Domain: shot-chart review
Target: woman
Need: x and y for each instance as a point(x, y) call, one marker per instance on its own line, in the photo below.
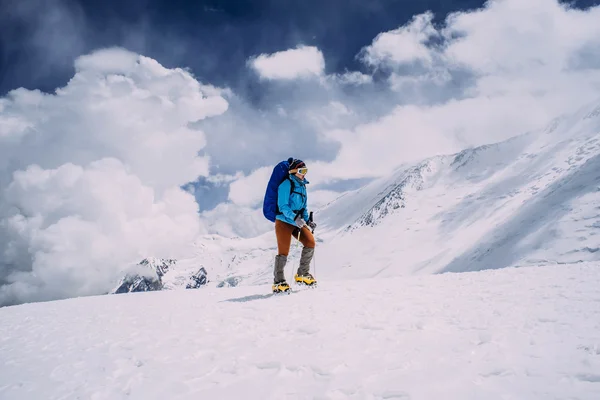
point(291, 221)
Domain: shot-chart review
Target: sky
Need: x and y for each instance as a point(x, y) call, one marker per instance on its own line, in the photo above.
point(108, 110)
point(213, 38)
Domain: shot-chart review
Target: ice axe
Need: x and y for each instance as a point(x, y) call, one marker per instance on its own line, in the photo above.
point(310, 219)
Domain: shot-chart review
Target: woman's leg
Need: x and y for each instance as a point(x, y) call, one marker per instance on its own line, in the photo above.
point(306, 238)
point(283, 232)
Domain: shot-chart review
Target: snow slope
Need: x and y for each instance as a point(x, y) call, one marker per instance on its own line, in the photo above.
point(534, 199)
point(516, 333)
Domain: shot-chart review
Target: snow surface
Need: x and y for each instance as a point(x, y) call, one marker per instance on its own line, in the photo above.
point(513, 333)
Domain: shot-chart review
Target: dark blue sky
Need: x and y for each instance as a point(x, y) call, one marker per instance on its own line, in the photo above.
point(39, 39)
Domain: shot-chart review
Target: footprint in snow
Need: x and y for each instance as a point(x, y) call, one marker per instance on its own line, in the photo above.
point(307, 330)
point(393, 395)
point(371, 327)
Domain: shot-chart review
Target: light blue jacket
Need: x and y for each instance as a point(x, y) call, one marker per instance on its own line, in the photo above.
point(291, 203)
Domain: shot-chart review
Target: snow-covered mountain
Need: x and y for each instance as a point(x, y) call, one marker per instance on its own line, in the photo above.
point(531, 200)
point(146, 277)
point(152, 274)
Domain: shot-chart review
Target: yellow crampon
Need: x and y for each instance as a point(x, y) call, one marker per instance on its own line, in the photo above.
point(305, 279)
point(281, 287)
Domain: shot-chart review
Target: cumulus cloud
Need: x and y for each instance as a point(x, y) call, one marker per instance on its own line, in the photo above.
point(250, 190)
point(525, 35)
point(412, 133)
point(301, 62)
point(90, 176)
point(406, 44)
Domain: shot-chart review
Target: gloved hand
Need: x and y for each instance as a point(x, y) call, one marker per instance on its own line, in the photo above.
point(312, 225)
point(300, 222)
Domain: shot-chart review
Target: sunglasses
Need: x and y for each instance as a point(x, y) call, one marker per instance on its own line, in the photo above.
point(302, 171)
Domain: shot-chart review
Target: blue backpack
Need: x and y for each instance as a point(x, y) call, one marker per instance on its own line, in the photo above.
point(279, 174)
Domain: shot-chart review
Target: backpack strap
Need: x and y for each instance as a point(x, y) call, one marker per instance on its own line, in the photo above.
point(292, 187)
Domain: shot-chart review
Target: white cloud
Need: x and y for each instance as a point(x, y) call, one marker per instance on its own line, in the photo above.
point(90, 175)
point(109, 61)
point(512, 36)
point(406, 44)
point(301, 62)
point(249, 191)
point(411, 133)
point(81, 226)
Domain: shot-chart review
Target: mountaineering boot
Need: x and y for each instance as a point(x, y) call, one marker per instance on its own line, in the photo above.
point(303, 276)
point(306, 279)
point(280, 285)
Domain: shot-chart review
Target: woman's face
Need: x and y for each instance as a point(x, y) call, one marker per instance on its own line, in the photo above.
point(298, 173)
